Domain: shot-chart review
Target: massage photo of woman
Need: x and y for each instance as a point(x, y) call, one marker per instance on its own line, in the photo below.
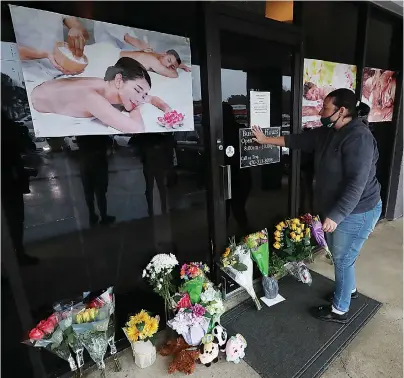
point(86, 77)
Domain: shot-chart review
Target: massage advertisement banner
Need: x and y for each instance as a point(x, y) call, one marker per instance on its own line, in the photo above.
point(86, 77)
point(378, 91)
point(319, 79)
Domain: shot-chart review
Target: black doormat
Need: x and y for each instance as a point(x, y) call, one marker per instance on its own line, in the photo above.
point(285, 341)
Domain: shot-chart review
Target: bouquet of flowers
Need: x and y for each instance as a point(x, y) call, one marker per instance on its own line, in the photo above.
point(159, 274)
point(191, 323)
point(236, 262)
point(64, 311)
point(98, 299)
point(258, 246)
point(300, 271)
point(140, 330)
point(49, 335)
point(292, 239)
point(194, 276)
point(211, 299)
point(90, 325)
point(317, 231)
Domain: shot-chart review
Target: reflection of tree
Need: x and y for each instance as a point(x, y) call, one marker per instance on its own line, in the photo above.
point(238, 100)
point(14, 99)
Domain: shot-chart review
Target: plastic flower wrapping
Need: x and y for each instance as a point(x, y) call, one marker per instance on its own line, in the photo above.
point(191, 324)
point(300, 271)
point(90, 325)
point(64, 310)
point(317, 231)
point(240, 269)
point(194, 276)
point(48, 334)
point(99, 299)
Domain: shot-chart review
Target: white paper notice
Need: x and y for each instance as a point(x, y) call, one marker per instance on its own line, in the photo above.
point(271, 302)
point(260, 109)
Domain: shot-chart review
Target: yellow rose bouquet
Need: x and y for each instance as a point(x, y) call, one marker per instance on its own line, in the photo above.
point(292, 240)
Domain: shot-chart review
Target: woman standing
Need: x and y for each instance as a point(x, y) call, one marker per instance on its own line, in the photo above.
point(346, 192)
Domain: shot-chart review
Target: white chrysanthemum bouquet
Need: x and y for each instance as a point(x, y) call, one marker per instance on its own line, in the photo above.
point(159, 274)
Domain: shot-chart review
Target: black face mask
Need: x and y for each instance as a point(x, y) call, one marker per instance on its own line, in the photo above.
point(326, 121)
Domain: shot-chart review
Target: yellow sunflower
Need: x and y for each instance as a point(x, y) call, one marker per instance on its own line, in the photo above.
point(133, 333)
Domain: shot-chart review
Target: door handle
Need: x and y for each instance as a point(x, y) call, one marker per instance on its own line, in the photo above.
point(226, 181)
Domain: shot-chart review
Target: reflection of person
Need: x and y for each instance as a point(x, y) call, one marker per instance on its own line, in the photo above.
point(241, 181)
point(126, 84)
point(156, 151)
point(14, 183)
point(94, 175)
point(34, 45)
point(347, 192)
point(379, 90)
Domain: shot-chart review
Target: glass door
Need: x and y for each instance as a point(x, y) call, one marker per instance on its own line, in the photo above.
point(256, 80)
point(252, 67)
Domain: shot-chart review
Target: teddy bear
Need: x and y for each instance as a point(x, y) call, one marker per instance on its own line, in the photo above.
point(235, 348)
point(221, 334)
point(184, 361)
point(184, 356)
point(173, 347)
point(209, 350)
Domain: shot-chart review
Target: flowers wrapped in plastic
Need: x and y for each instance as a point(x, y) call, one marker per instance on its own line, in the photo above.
point(191, 324)
point(90, 325)
point(159, 274)
point(236, 262)
point(98, 299)
point(194, 276)
point(140, 330)
point(317, 231)
point(64, 310)
point(257, 243)
point(49, 335)
point(300, 271)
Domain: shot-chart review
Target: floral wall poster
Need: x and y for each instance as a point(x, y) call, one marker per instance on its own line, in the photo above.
point(378, 91)
point(319, 79)
point(86, 77)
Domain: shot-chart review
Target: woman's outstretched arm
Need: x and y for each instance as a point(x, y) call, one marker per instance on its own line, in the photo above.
point(100, 108)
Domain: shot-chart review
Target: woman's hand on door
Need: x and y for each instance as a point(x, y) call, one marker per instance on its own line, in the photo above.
point(259, 135)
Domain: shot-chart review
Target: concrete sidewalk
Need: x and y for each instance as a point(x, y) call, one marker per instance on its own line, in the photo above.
point(376, 352)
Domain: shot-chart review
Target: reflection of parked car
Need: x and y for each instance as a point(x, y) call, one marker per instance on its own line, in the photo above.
point(41, 145)
point(71, 143)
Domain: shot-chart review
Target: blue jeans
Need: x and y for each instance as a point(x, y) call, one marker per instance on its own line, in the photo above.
point(345, 244)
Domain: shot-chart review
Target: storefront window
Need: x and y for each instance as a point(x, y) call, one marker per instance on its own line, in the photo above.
point(92, 210)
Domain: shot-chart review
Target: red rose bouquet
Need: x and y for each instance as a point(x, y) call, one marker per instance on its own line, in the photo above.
point(49, 335)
